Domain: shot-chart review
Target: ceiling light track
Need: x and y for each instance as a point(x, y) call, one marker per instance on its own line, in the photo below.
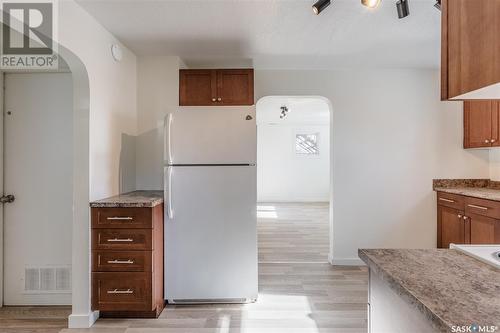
point(402, 6)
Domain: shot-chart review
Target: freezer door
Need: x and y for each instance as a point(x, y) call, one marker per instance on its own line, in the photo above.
point(211, 234)
point(225, 135)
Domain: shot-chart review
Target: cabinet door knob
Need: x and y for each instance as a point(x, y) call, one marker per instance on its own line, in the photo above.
point(492, 140)
point(459, 216)
point(465, 217)
point(213, 99)
point(486, 141)
point(219, 99)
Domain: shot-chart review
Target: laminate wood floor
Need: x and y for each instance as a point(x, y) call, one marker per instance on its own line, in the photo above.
point(294, 297)
point(293, 232)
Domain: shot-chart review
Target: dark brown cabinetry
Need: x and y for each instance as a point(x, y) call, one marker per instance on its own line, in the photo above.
point(127, 261)
point(210, 87)
point(470, 47)
point(467, 220)
point(481, 124)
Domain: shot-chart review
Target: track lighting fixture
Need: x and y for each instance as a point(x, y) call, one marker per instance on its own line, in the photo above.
point(403, 8)
point(437, 5)
point(370, 3)
point(320, 5)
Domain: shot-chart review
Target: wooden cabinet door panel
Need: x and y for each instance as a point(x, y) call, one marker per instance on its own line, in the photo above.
point(197, 87)
point(495, 129)
point(122, 239)
point(122, 292)
point(451, 227)
point(480, 123)
point(126, 218)
point(484, 230)
point(470, 45)
point(235, 87)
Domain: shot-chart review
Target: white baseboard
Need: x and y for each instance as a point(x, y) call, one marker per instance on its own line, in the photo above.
point(346, 261)
point(82, 320)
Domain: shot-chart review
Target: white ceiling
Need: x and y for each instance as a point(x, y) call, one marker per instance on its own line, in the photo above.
point(301, 111)
point(275, 33)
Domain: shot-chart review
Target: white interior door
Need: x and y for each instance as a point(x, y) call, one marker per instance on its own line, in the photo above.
point(38, 138)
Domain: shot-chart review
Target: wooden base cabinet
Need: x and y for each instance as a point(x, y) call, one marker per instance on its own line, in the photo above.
point(467, 220)
point(127, 262)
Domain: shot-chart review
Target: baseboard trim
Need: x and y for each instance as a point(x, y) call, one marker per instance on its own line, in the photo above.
point(83, 320)
point(346, 262)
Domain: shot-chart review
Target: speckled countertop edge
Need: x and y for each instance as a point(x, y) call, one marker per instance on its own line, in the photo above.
point(434, 319)
point(448, 287)
point(476, 188)
point(137, 199)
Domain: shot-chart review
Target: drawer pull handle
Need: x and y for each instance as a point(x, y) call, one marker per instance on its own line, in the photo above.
point(478, 207)
point(447, 200)
point(120, 218)
point(117, 291)
point(129, 262)
point(123, 240)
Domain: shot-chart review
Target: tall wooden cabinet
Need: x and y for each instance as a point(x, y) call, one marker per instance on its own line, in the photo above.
point(481, 124)
point(467, 220)
point(216, 87)
point(470, 46)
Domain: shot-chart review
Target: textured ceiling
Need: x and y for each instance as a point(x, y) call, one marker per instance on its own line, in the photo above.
point(275, 33)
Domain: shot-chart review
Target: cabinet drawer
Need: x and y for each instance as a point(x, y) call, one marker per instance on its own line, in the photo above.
point(482, 207)
point(122, 239)
point(122, 218)
point(122, 261)
point(450, 200)
point(122, 292)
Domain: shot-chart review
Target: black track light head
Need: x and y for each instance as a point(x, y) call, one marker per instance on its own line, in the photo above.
point(437, 5)
point(403, 8)
point(320, 5)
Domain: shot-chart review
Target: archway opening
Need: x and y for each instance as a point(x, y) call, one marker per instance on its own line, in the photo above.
point(294, 179)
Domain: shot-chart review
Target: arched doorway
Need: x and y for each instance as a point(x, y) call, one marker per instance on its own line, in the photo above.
point(294, 175)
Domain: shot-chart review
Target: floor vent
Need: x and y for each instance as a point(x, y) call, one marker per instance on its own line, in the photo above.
point(52, 279)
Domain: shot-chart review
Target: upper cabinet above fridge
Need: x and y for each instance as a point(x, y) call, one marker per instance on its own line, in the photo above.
point(216, 87)
point(470, 49)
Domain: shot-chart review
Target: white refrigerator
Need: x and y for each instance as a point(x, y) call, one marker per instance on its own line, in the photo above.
point(210, 205)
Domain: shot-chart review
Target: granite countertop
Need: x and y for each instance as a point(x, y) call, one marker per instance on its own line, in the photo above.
point(476, 192)
point(447, 286)
point(131, 199)
point(477, 188)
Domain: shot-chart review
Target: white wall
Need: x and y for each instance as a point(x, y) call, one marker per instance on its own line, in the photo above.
point(391, 137)
point(284, 176)
point(157, 95)
point(105, 122)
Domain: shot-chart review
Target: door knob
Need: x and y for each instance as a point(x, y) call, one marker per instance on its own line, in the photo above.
point(486, 141)
point(492, 140)
point(213, 99)
point(7, 198)
point(219, 99)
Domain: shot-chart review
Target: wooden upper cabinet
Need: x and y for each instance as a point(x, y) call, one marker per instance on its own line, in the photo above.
point(470, 47)
point(214, 87)
point(197, 87)
point(481, 124)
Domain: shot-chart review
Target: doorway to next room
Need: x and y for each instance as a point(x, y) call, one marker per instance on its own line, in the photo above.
point(293, 179)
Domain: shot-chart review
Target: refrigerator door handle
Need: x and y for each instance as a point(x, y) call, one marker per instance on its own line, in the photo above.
point(168, 139)
point(170, 210)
